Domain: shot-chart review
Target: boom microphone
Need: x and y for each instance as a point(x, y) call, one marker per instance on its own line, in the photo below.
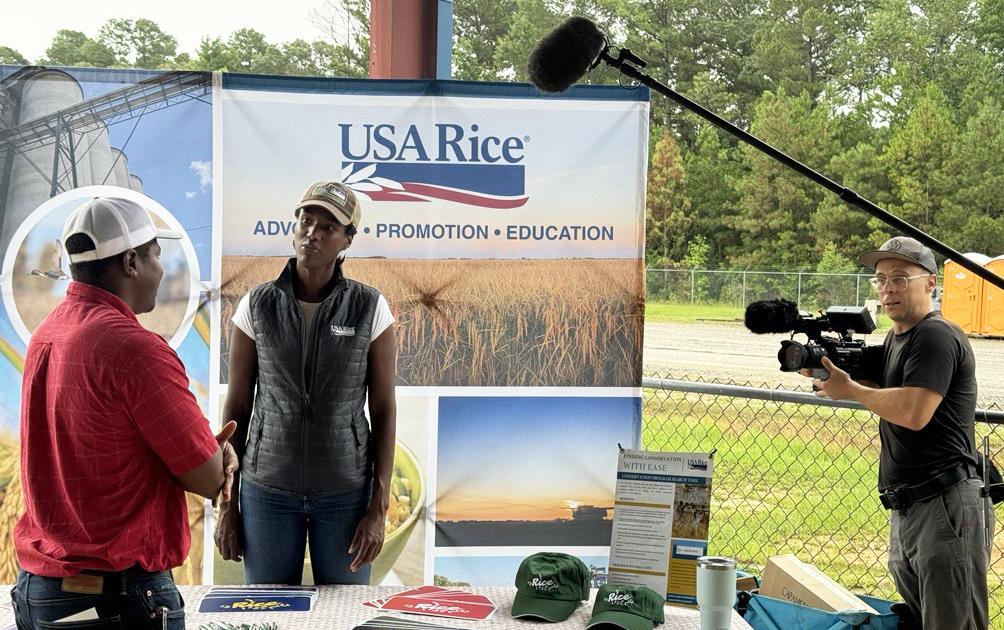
point(578, 45)
point(565, 55)
point(771, 316)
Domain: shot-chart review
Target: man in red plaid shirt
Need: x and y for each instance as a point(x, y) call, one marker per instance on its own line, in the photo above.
point(111, 438)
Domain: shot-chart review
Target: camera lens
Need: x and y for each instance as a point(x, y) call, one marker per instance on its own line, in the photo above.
point(792, 356)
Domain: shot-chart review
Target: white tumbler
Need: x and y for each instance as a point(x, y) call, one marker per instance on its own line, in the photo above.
point(716, 591)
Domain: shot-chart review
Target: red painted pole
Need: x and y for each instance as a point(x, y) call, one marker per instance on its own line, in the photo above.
point(403, 39)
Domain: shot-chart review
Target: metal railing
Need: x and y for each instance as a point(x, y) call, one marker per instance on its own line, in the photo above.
point(795, 474)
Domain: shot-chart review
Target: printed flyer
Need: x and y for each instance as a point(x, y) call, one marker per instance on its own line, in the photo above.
point(661, 509)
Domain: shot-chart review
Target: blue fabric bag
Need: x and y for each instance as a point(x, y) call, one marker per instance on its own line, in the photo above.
point(767, 613)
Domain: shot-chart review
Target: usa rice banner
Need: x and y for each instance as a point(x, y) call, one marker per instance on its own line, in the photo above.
point(504, 228)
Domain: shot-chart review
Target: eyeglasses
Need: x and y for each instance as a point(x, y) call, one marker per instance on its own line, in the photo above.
point(897, 282)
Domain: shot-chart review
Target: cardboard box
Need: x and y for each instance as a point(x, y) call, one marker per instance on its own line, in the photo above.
point(788, 578)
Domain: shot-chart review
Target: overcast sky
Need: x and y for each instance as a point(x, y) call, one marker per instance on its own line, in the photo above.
point(34, 23)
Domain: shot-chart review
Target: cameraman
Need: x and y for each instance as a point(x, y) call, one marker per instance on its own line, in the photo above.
point(926, 400)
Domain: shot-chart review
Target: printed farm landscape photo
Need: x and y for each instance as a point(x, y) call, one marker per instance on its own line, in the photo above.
point(534, 323)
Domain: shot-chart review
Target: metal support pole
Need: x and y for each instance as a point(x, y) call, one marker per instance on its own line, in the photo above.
point(403, 39)
point(54, 188)
point(444, 40)
point(73, 159)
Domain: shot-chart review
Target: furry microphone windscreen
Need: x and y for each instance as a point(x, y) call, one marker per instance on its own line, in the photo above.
point(771, 316)
point(562, 57)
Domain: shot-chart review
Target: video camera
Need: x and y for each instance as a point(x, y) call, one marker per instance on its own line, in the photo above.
point(847, 353)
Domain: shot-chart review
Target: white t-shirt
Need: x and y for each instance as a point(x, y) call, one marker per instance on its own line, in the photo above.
point(382, 317)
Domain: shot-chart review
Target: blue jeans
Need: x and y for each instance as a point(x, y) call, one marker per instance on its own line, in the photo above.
point(140, 600)
point(278, 525)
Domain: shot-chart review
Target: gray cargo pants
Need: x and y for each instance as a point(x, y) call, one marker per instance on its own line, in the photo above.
point(939, 561)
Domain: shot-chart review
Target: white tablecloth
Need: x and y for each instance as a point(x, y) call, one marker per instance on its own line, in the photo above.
point(340, 608)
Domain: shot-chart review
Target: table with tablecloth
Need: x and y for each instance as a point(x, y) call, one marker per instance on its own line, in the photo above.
point(340, 607)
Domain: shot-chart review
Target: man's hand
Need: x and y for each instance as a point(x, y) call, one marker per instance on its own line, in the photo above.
point(368, 541)
point(229, 534)
point(230, 462)
point(838, 387)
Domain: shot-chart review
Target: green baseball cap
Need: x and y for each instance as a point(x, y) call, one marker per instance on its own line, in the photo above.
point(549, 586)
point(627, 607)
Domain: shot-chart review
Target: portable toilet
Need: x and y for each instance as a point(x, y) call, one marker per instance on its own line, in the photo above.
point(962, 294)
point(992, 317)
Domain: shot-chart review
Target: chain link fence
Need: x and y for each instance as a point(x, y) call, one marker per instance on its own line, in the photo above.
point(795, 474)
point(809, 290)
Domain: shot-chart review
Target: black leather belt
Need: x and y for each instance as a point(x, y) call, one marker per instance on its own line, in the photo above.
point(902, 497)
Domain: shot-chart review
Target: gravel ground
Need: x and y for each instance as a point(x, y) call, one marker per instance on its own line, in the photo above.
point(722, 352)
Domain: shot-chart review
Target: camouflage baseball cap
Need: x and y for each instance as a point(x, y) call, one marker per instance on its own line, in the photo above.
point(549, 586)
point(336, 198)
point(627, 607)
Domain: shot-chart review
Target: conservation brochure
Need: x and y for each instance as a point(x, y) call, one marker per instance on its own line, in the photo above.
point(661, 511)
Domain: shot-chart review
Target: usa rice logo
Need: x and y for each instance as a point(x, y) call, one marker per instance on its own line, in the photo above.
point(439, 608)
point(542, 584)
point(445, 162)
point(697, 464)
point(620, 599)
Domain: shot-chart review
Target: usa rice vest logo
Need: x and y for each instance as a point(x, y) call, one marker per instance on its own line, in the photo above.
point(445, 162)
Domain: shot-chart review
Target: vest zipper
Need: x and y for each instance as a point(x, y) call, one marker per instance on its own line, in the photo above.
point(311, 362)
point(306, 398)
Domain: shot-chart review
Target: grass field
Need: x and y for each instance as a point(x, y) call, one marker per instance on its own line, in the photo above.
point(559, 323)
point(682, 312)
point(793, 479)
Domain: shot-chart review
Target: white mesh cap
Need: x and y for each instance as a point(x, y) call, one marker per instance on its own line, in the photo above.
point(115, 225)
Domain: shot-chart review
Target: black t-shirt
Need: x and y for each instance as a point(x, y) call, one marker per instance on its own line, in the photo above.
point(935, 355)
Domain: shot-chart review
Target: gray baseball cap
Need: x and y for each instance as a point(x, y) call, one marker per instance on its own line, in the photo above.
point(901, 248)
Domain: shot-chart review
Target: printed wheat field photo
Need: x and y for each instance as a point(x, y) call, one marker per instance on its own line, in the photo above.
point(553, 323)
